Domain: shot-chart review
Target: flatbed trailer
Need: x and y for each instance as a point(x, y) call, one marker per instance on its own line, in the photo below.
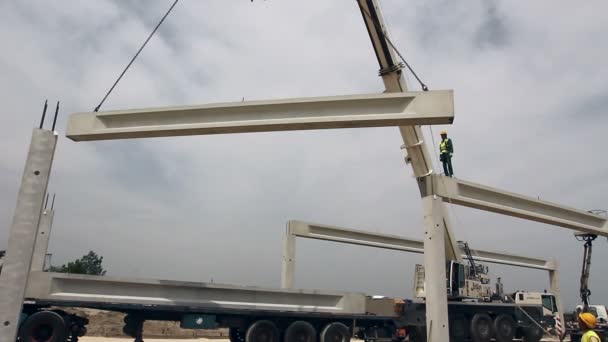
point(251, 312)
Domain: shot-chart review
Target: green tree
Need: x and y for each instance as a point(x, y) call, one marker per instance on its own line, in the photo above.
point(88, 264)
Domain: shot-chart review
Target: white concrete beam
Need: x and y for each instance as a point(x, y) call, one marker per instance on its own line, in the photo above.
point(86, 290)
point(353, 111)
point(393, 242)
point(478, 196)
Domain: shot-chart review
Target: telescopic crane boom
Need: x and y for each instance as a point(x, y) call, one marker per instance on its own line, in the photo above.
point(585, 292)
point(584, 289)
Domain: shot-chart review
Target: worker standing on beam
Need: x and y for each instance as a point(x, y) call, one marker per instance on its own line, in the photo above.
point(446, 150)
point(587, 322)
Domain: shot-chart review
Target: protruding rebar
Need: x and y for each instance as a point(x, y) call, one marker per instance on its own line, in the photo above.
point(46, 202)
point(53, 202)
point(55, 118)
point(46, 104)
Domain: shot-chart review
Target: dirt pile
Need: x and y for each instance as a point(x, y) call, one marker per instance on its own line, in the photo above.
point(110, 324)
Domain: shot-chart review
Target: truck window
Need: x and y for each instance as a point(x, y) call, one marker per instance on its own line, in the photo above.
point(549, 303)
point(461, 279)
point(521, 297)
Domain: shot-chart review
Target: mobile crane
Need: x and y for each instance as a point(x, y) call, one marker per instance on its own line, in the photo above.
point(478, 314)
point(585, 293)
point(572, 327)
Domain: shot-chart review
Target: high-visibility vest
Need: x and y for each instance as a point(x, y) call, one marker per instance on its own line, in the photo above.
point(590, 336)
point(443, 147)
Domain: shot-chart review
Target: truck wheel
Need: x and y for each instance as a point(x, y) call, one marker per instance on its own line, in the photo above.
point(481, 328)
point(458, 329)
point(236, 335)
point(504, 328)
point(300, 331)
point(43, 326)
point(335, 332)
point(262, 331)
point(533, 334)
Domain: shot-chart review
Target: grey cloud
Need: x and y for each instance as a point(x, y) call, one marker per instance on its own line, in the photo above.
point(493, 30)
point(593, 109)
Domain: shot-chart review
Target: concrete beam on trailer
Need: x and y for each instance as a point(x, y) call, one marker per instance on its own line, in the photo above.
point(386, 241)
point(87, 289)
point(23, 231)
point(353, 111)
point(482, 197)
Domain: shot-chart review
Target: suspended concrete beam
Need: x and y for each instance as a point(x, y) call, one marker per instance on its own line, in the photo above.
point(353, 111)
point(478, 196)
point(384, 241)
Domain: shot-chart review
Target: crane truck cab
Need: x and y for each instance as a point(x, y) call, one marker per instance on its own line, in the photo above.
point(547, 301)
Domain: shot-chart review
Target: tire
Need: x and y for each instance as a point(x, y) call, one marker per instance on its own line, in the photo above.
point(262, 331)
point(458, 329)
point(481, 328)
point(300, 331)
point(43, 326)
point(504, 328)
point(335, 332)
point(533, 334)
point(236, 335)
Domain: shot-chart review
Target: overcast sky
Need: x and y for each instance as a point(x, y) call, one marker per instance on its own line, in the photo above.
point(530, 93)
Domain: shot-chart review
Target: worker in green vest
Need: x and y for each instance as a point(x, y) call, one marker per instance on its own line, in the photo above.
point(446, 150)
point(587, 322)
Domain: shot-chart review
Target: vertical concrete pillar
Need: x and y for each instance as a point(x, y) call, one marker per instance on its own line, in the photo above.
point(556, 291)
point(437, 322)
point(22, 235)
point(289, 259)
point(42, 240)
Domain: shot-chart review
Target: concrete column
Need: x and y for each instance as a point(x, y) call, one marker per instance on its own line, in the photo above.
point(556, 291)
point(22, 236)
point(435, 270)
point(42, 240)
point(289, 260)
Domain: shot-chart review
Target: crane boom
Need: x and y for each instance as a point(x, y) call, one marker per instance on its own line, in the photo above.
point(585, 272)
point(413, 139)
point(438, 234)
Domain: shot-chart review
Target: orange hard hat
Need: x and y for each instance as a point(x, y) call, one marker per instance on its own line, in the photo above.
point(588, 319)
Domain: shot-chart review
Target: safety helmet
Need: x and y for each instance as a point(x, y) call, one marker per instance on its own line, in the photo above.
point(588, 319)
point(444, 132)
